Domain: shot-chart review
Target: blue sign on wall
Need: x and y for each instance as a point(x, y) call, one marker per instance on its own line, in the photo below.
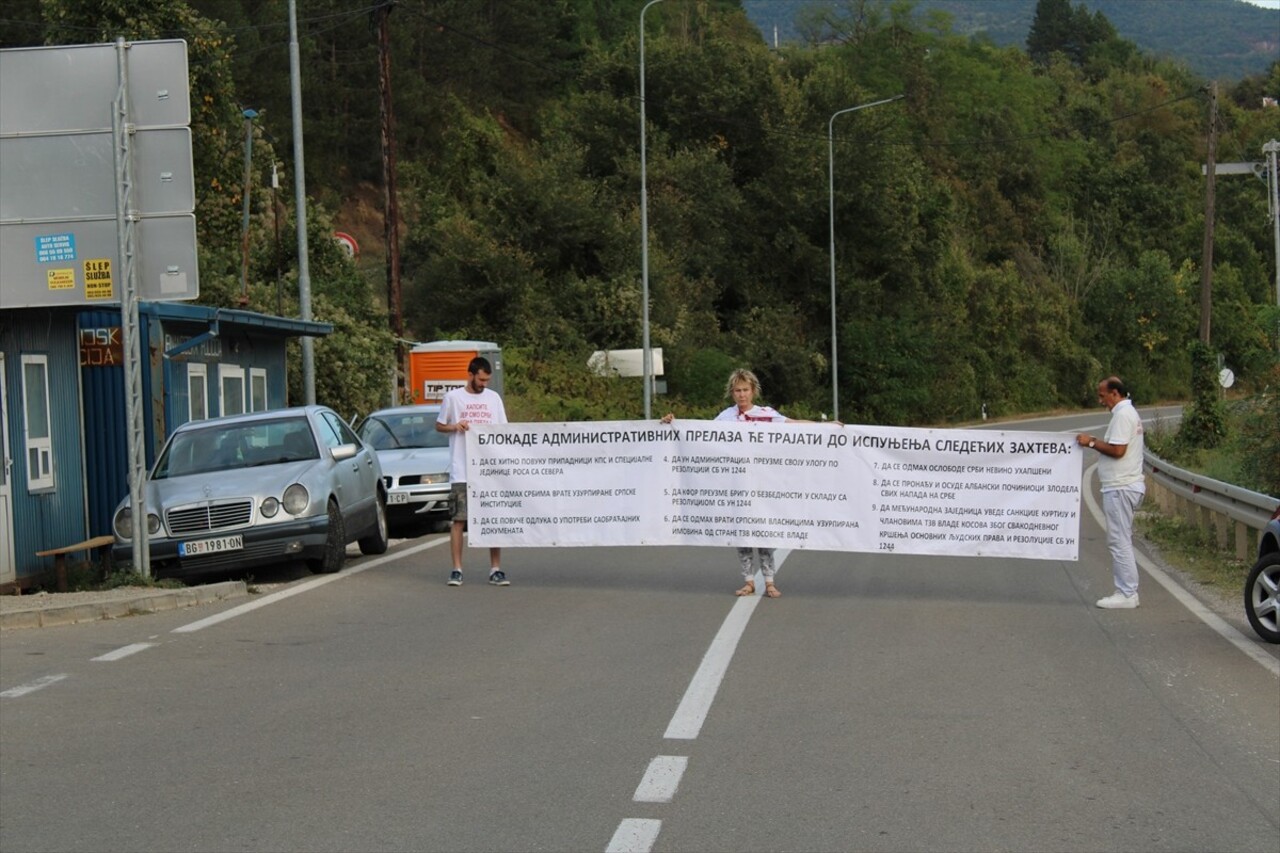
point(55, 247)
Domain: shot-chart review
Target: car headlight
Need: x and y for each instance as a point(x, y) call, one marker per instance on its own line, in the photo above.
point(432, 479)
point(124, 523)
point(296, 499)
point(269, 508)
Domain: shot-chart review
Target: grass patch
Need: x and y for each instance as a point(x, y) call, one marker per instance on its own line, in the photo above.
point(1185, 547)
point(1246, 458)
point(118, 579)
point(90, 576)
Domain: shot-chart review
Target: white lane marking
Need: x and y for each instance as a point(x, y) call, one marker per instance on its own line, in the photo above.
point(305, 586)
point(661, 779)
point(701, 692)
point(1224, 628)
point(634, 835)
point(32, 687)
point(124, 651)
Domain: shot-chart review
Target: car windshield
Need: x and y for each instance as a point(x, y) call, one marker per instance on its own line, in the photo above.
point(221, 447)
point(389, 431)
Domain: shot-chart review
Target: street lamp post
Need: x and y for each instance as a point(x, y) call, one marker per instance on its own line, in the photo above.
point(831, 206)
point(644, 237)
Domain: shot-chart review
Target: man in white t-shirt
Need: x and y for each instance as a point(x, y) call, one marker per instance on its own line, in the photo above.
point(473, 403)
point(1123, 486)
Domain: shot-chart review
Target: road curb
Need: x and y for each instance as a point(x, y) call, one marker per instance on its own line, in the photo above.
point(46, 615)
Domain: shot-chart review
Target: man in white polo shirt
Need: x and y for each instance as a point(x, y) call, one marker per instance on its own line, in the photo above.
point(1123, 486)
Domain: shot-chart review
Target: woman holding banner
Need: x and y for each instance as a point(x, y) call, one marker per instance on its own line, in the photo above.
point(742, 388)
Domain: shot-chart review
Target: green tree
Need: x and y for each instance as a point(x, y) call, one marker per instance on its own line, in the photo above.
point(1203, 423)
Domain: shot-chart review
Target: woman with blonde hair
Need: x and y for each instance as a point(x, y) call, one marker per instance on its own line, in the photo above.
point(742, 388)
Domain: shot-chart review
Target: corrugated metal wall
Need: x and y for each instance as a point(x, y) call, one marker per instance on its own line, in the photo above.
point(106, 442)
point(55, 517)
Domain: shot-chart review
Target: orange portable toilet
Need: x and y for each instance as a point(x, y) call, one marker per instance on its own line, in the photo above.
point(440, 366)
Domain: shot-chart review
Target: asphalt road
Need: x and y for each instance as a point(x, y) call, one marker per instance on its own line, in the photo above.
point(883, 703)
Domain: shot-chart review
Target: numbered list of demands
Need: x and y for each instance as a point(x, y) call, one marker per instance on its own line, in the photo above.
point(1007, 495)
point(812, 486)
point(763, 485)
point(565, 484)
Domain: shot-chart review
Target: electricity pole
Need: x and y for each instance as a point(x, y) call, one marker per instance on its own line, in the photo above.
point(1206, 268)
point(391, 211)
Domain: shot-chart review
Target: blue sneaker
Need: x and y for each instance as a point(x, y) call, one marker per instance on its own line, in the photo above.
point(499, 578)
point(455, 578)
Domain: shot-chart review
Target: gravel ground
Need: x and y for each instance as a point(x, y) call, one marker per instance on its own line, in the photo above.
point(41, 600)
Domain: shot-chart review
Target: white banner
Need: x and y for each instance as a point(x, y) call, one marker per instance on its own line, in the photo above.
point(819, 486)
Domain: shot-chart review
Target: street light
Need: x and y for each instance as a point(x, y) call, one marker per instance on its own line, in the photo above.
point(644, 237)
point(831, 205)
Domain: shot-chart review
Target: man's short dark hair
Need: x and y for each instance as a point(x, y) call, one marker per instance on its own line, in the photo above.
point(1113, 383)
point(479, 364)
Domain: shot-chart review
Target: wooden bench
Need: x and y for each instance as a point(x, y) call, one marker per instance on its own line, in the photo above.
point(60, 556)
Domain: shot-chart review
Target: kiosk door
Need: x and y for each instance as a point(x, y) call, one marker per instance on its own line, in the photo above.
point(8, 562)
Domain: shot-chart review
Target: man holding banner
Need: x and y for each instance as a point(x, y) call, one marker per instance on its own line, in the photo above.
point(1123, 487)
point(474, 403)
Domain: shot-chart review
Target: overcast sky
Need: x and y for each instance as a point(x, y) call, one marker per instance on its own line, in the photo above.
point(1270, 4)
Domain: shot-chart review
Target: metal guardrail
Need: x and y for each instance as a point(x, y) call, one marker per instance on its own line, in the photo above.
point(1218, 508)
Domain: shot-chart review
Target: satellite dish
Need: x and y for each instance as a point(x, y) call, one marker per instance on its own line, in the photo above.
point(1226, 378)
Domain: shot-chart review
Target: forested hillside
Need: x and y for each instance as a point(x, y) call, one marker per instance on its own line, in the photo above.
point(1220, 39)
point(1009, 232)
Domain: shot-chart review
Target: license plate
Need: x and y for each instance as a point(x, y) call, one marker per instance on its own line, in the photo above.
point(398, 498)
point(217, 545)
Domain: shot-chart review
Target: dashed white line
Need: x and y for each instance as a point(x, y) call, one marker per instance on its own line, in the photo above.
point(692, 711)
point(661, 779)
point(31, 687)
point(124, 651)
point(634, 835)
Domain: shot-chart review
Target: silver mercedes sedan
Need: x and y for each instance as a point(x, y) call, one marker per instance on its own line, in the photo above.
point(247, 490)
point(415, 461)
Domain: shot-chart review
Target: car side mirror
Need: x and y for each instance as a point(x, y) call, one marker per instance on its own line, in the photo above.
point(345, 451)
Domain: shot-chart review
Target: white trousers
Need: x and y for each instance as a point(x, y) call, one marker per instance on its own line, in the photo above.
point(1119, 506)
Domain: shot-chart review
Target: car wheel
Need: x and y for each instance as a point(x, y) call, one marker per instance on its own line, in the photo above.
point(376, 542)
point(335, 543)
point(1260, 597)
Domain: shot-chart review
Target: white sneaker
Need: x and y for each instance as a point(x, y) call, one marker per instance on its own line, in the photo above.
point(1119, 601)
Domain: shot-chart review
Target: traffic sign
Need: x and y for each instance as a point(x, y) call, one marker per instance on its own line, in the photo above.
point(59, 224)
point(49, 89)
point(64, 263)
point(72, 176)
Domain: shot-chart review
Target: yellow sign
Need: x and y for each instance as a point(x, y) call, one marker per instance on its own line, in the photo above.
point(97, 279)
point(61, 279)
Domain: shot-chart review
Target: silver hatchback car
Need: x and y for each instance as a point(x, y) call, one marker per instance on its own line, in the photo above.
point(415, 461)
point(247, 490)
point(1262, 587)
